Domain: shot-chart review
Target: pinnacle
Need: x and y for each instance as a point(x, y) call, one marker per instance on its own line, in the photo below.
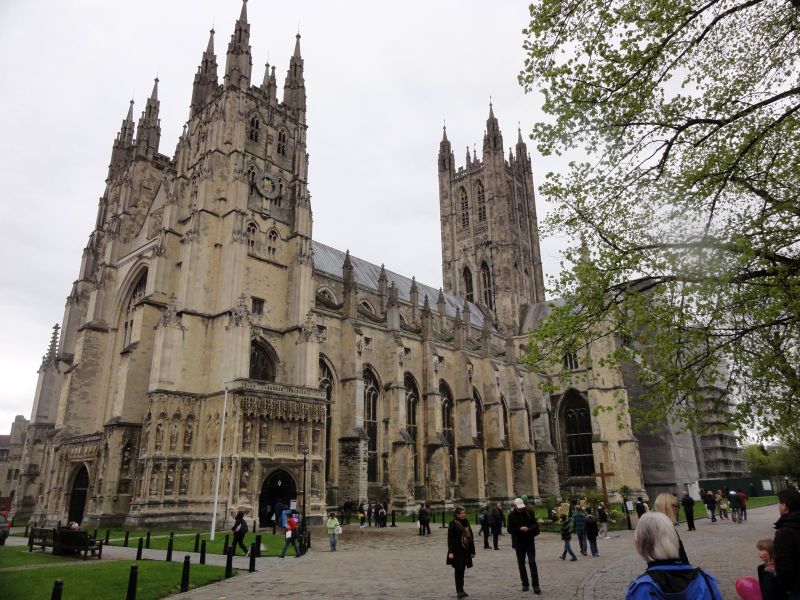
point(154, 94)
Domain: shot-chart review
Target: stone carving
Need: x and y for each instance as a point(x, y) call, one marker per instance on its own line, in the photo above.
point(173, 436)
point(156, 220)
point(244, 480)
point(286, 410)
point(310, 331)
point(263, 434)
point(154, 482)
point(188, 433)
point(159, 436)
point(184, 481)
point(247, 432)
point(125, 463)
point(169, 482)
point(240, 315)
point(170, 318)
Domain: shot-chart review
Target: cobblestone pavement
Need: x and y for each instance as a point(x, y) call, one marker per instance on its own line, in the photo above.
point(396, 563)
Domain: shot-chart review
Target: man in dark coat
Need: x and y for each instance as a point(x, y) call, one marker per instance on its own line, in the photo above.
point(640, 506)
point(460, 548)
point(786, 545)
point(523, 529)
point(496, 522)
point(688, 508)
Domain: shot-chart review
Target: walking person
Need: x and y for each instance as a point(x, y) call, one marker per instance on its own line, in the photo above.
point(688, 508)
point(291, 536)
point(733, 500)
point(460, 548)
point(424, 519)
point(239, 531)
point(641, 507)
point(591, 532)
point(362, 515)
point(786, 545)
point(602, 519)
point(566, 536)
point(711, 505)
point(495, 523)
point(334, 529)
point(722, 505)
point(483, 521)
point(579, 525)
point(742, 505)
point(523, 528)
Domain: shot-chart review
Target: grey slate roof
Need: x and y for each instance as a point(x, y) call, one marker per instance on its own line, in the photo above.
point(330, 260)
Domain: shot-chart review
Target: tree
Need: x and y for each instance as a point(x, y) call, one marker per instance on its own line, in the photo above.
point(779, 461)
point(685, 220)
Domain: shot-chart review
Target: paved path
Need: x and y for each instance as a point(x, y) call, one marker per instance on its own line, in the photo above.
point(396, 563)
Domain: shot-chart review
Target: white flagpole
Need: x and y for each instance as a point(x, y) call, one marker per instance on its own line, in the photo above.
point(219, 464)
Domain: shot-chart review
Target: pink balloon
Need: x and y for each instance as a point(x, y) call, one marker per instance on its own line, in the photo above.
point(748, 588)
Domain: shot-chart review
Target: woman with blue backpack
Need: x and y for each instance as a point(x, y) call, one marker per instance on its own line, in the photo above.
point(667, 576)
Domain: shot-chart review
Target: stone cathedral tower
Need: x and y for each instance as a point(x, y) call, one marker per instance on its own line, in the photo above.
point(490, 234)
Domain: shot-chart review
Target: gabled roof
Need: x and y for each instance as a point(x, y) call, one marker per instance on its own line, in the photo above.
point(330, 260)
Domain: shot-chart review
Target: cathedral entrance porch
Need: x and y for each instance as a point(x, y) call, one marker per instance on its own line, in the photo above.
point(278, 487)
point(77, 498)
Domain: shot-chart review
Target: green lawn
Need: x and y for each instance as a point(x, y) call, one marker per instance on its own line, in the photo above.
point(185, 542)
point(18, 556)
point(104, 580)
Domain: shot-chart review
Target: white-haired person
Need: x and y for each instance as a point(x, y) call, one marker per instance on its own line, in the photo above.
point(667, 575)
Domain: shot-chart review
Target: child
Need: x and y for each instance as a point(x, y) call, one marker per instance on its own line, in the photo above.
point(566, 535)
point(767, 580)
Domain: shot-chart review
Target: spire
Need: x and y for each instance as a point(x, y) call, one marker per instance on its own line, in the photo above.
point(52, 349)
point(205, 80)
point(149, 128)
point(270, 85)
point(121, 149)
point(492, 138)
point(294, 90)
point(445, 153)
point(239, 63)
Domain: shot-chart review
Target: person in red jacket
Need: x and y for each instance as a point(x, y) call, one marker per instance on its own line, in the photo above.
point(291, 536)
point(742, 504)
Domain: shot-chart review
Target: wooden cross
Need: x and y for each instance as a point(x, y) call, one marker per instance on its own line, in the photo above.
point(602, 475)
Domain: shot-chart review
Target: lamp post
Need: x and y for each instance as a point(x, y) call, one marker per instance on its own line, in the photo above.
point(304, 452)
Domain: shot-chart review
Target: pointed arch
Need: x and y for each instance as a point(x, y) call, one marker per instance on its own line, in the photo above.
point(469, 293)
point(576, 434)
point(412, 406)
point(486, 282)
point(449, 427)
point(327, 383)
point(504, 420)
point(371, 404)
point(282, 139)
point(480, 192)
point(263, 361)
point(79, 492)
point(478, 408)
point(463, 203)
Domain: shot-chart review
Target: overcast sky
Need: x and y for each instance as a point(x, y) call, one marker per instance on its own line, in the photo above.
point(381, 79)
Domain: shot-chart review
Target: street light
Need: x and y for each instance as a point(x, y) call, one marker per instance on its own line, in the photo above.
point(304, 452)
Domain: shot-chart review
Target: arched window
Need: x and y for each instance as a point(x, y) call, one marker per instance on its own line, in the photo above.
point(326, 383)
point(412, 400)
point(481, 193)
point(250, 235)
point(469, 294)
point(371, 394)
point(251, 179)
point(255, 126)
point(577, 428)
point(272, 242)
point(262, 362)
point(448, 426)
point(504, 416)
point(282, 143)
point(488, 292)
point(529, 419)
point(133, 305)
point(571, 361)
point(476, 400)
point(464, 205)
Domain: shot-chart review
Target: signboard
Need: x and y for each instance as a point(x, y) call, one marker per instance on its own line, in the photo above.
point(293, 504)
point(766, 484)
point(629, 504)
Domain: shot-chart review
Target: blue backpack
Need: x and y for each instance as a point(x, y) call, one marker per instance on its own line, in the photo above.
point(702, 587)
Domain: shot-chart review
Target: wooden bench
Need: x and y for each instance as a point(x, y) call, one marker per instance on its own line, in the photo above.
point(69, 541)
point(41, 537)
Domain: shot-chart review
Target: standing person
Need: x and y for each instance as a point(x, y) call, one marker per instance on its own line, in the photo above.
point(424, 519)
point(460, 548)
point(688, 508)
point(239, 531)
point(711, 505)
point(641, 507)
point(786, 545)
point(733, 500)
point(369, 513)
point(566, 536)
point(483, 521)
point(722, 505)
point(742, 505)
point(331, 525)
point(667, 575)
point(591, 532)
point(523, 528)
point(602, 519)
point(579, 525)
point(291, 536)
point(362, 515)
point(383, 511)
point(495, 523)
point(667, 504)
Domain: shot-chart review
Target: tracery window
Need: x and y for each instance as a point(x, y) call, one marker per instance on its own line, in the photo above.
point(282, 143)
point(136, 295)
point(578, 435)
point(250, 234)
point(504, 416)
point(255, 126)
point(371, 395)
point(412, 400)
point(262, 362)
point(272, 245)
point(488, 292)
point(571, 361)
point(481, 193)
point(326, 383)
point(448, 426)
point(469, 293)
point(476, 400)
point(464, 204)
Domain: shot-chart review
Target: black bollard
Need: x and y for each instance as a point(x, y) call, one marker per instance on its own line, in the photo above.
point(253, 551)
point(225, 545)
point(203, 552)
point(127, 535)
point(258, 545)
point(108, 534)
point(275, 525)
point(393, 524)
point(254, 526)
point(59, 524)
point(185, 574)
point(132, 582)
point(229, 564)
point(147, 540)
point(94, 535)
point(58, 588)
point(139, 550)
point(169, 548)
point(26, 529)
point(30, 542)
point(196, 542)
point(443, 525)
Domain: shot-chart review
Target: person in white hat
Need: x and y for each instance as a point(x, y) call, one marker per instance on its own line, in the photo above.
point(523, 528)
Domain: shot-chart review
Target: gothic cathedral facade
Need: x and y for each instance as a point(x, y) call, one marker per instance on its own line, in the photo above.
point(206, 322)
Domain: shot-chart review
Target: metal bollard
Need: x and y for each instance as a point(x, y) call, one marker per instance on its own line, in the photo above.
point(254, 525)
point(127, 536)
point(147, 540)
point(132, 582)
point(185, 574)
point(139, 550)
point(275, 525)
point(443, 525)
point(58, 588)
point(26, 529)
point(196, 542)
point(169, 548)
point(225, 546)
point(393, 524)
point(253, 551)
point(229, 564)
point(108, 534)
point(203, 552)
point(258, 545)
point(30, 542)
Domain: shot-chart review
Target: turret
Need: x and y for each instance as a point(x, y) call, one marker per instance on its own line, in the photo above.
point(446, 161)
point(123, 144)
point(270, 86)
point(148, 131)
point(294, 89)
point(239, 62)
point(492, 138)
point(205, 80)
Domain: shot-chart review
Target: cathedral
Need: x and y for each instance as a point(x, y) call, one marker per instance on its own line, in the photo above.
point(207, 329)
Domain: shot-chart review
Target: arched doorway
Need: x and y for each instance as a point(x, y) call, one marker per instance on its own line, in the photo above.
point(77, 499)
point(279, 486)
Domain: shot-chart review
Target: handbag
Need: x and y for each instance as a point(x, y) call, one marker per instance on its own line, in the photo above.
point(337, 530)
point(288, 534)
